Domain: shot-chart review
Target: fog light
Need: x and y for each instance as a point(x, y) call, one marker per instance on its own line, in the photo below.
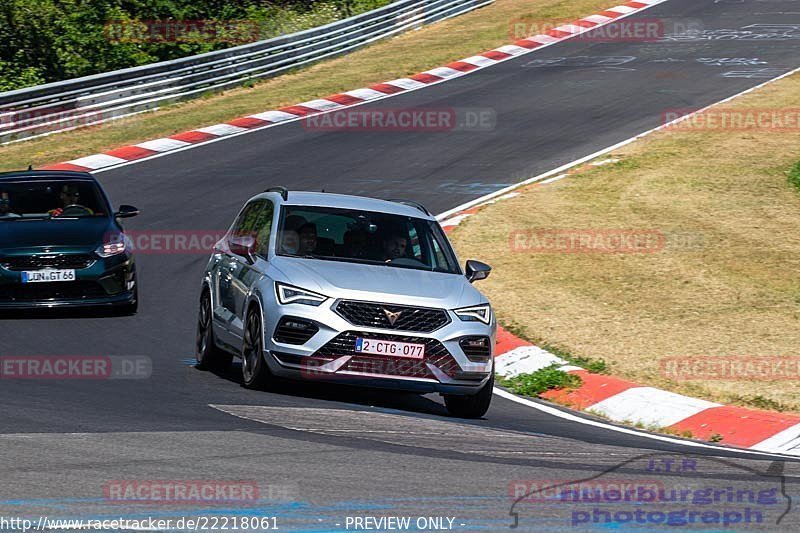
point(477, 349)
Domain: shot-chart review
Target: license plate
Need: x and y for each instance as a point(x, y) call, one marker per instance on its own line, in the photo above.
point(391, 348)
point(47, 276)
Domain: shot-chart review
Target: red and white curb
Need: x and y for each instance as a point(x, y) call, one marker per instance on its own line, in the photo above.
point(624, 401)
point(181, 141)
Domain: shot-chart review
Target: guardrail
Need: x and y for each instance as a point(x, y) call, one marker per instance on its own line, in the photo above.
point(91, 100)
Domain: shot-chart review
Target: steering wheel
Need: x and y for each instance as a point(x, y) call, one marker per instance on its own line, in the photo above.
point(75, 209)
point(406, 261)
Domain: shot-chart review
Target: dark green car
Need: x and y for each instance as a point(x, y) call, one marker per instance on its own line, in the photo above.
point(61, 244)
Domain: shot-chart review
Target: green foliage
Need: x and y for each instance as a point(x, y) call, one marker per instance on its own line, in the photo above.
point(44, 41)
point(761, 402)
point(540, 381)
point(794, 175)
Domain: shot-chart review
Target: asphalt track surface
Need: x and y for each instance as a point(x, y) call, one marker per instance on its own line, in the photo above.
point(322, 453)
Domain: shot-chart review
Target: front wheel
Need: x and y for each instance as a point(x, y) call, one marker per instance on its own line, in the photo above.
point(471, 405)
point(255, 372)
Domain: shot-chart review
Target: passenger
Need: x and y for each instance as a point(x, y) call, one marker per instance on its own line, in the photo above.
point(294, 222)
point(355, 244)
point(394, 247)
point(308, 238)
point(290, 242)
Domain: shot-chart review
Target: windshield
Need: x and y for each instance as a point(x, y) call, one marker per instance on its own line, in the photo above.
point(51, 200)
point(364, 237)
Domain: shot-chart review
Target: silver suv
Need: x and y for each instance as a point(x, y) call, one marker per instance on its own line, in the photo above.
point(348, 289)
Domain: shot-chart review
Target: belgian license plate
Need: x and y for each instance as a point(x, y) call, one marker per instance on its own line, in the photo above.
point(390, 348)
point(47, 276)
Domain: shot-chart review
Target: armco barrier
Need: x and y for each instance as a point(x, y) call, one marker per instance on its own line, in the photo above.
point(79, 102)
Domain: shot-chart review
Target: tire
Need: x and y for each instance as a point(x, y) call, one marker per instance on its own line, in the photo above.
point(255, 372)
point(471, 405)
point(208, 355)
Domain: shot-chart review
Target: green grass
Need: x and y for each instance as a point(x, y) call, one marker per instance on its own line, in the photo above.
point(794, 175)
point(542, 380)
point(761, 402)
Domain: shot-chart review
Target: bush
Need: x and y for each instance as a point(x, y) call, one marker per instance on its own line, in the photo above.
point(540, 381)
point(44, 41)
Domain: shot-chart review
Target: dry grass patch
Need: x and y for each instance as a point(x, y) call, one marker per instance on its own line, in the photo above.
point(404, 55)
point(725, 283)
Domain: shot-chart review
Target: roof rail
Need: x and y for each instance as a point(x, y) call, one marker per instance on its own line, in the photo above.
point(284, 192)
point(413, 204)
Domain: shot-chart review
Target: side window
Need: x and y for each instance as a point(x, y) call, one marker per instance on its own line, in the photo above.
point(264, 227)
point(255, 221)
point(439, 257)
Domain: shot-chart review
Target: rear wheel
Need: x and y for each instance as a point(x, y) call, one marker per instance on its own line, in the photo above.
point(208, 355)
point(255, 372)
point(471, 405)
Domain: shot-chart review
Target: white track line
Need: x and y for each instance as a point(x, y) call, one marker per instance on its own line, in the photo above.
point(663, 438)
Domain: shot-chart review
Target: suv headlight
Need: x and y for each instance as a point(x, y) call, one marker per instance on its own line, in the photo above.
point(479, 313)
point(115, 246)
point(288, 294)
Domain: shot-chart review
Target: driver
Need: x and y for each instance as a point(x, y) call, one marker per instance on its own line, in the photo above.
point(394, 247)
point(5, 205)
point(69, 196)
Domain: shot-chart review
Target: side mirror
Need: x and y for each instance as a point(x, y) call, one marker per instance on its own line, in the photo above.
point(243, 247)
point(126, 211)
point(476, 270)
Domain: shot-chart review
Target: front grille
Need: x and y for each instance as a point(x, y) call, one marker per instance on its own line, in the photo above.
point(294, 330)
point(435, 354)
point(36, 262)
point(70, 290)
point(375, 315)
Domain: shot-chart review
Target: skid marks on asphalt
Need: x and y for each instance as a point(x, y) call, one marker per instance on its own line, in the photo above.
point(399, 428)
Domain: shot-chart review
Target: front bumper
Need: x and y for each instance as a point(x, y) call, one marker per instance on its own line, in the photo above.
point(329, 356)
point(106, 282)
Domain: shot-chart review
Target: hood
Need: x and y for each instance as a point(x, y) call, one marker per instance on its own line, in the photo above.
point(76, 233)
point(377, 282)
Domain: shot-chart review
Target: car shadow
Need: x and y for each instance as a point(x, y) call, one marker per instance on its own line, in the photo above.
point(339, 392)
